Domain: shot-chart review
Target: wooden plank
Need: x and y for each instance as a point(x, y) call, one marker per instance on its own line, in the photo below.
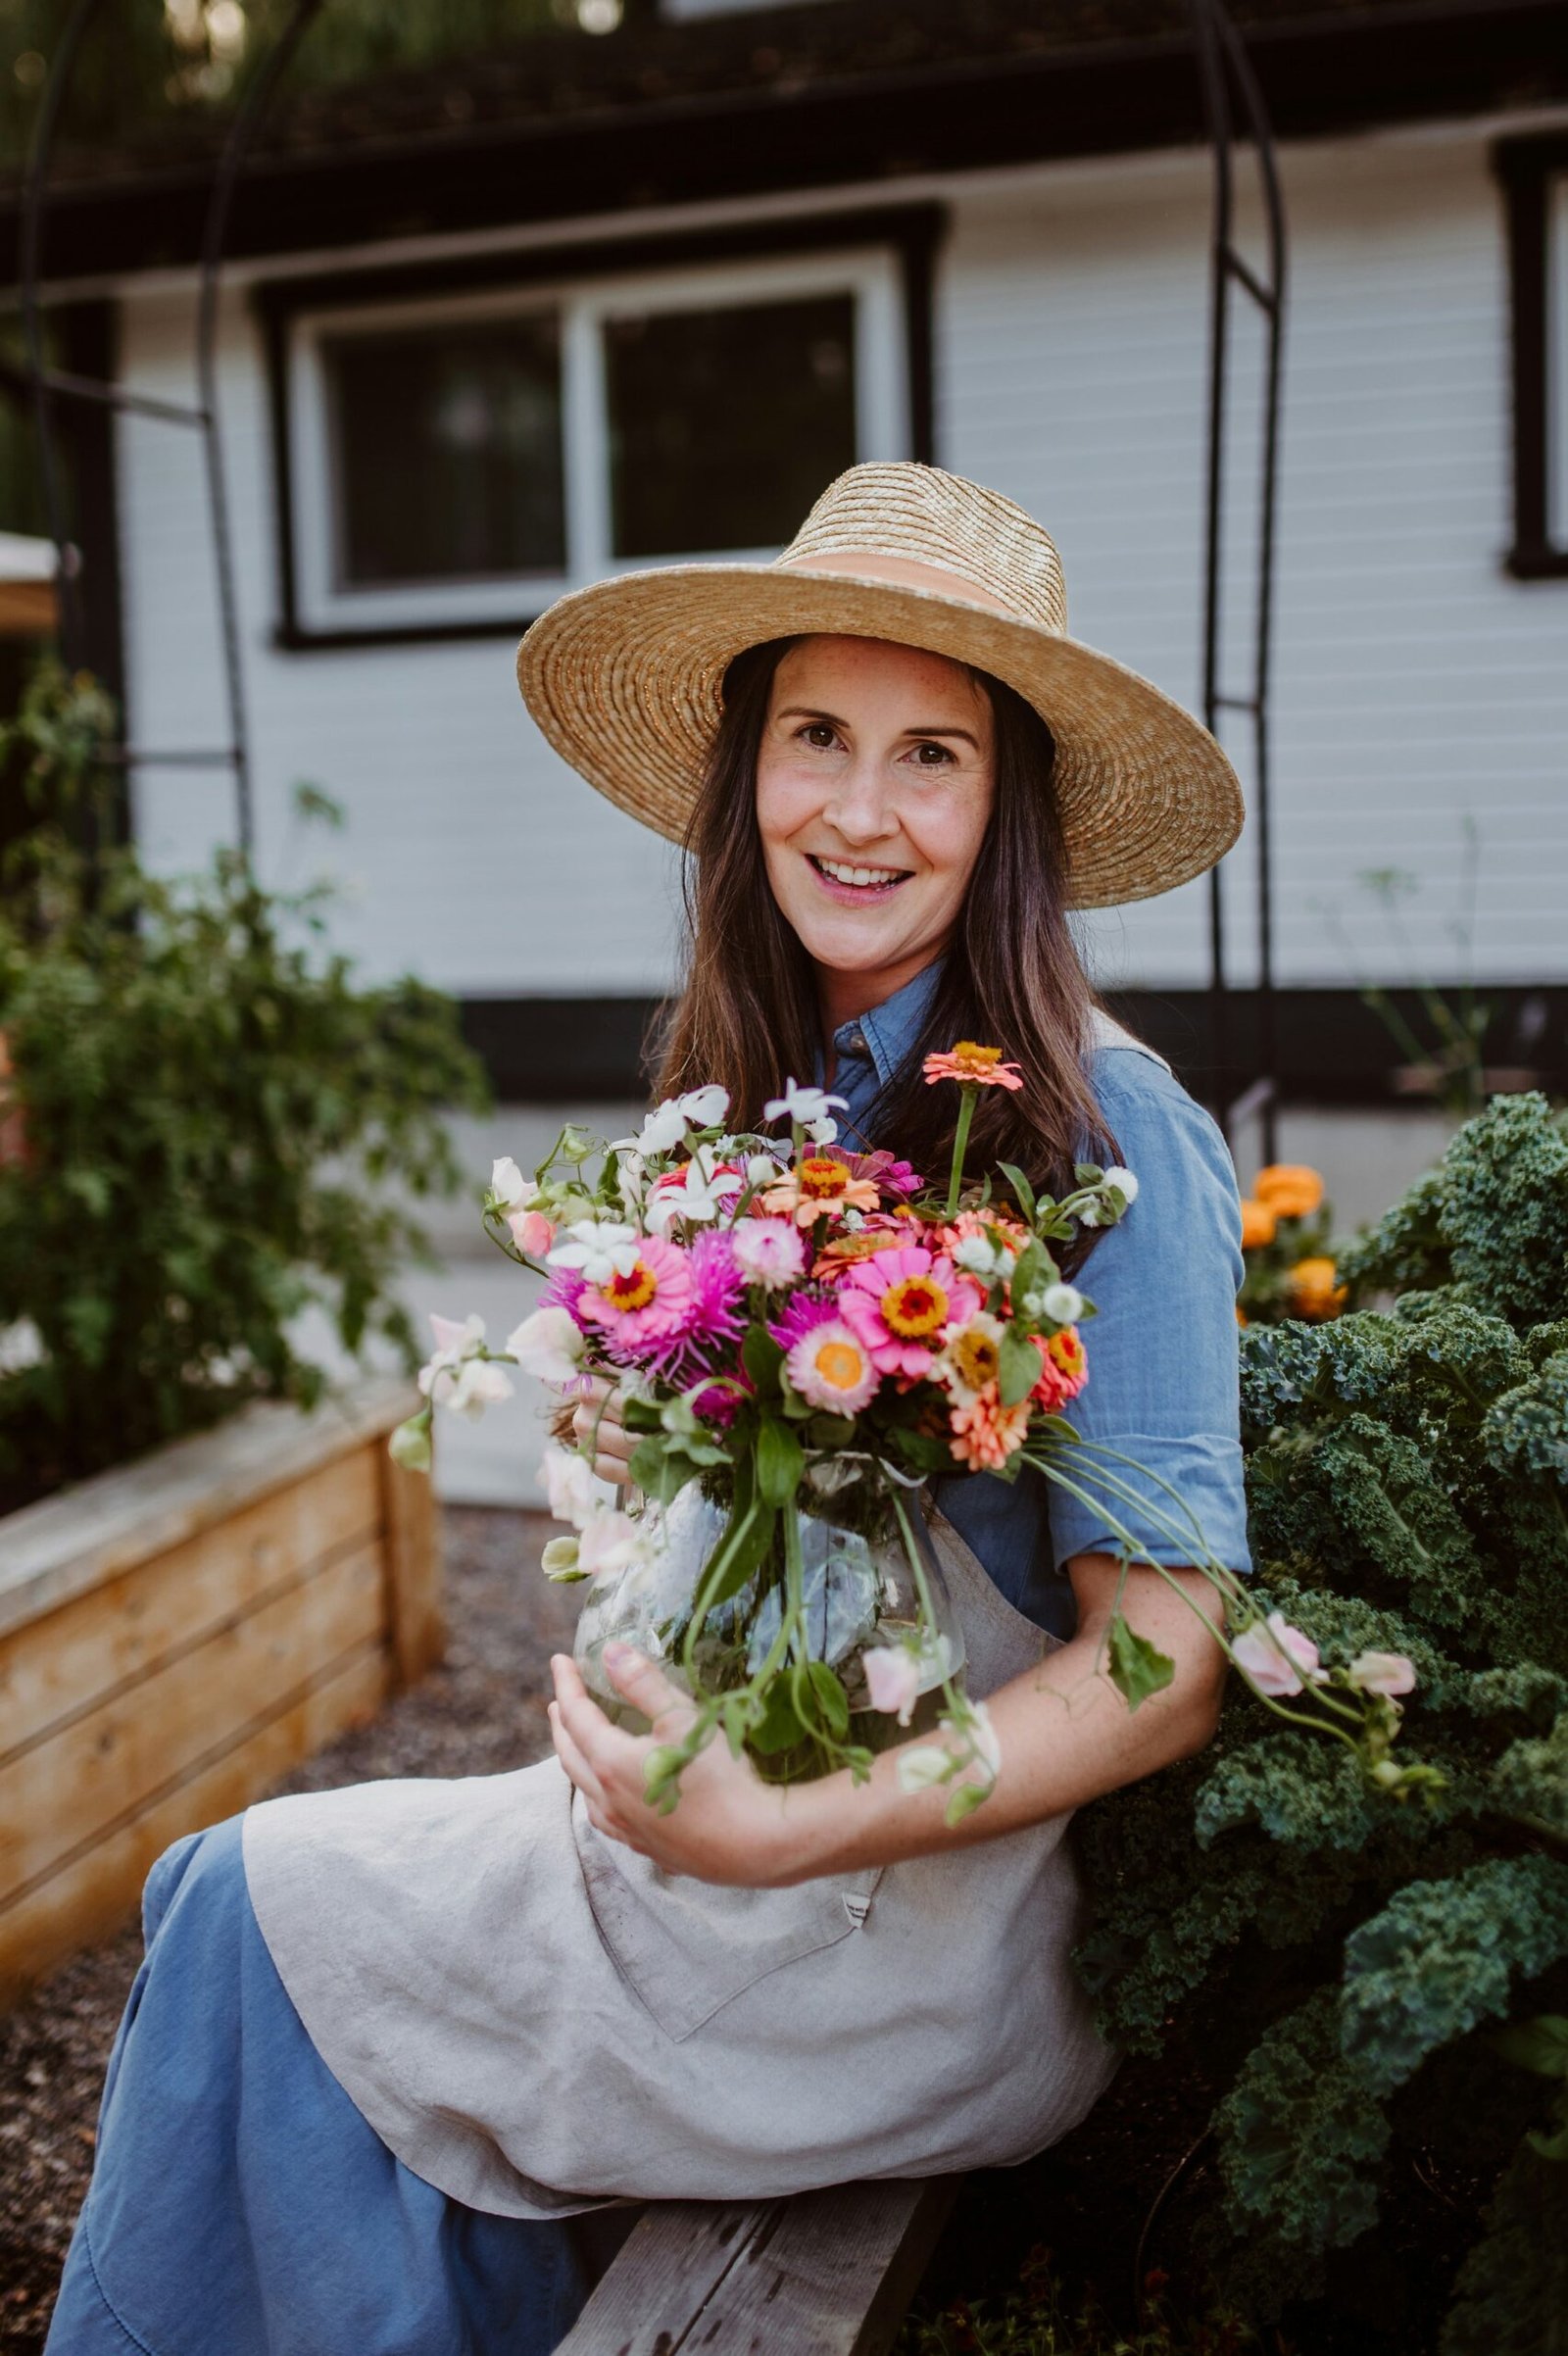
point(102, 1642)
point(92, 1893)
point(89, 1533)
point(62, 1792)
point(827, 2274)
point(413, 1568)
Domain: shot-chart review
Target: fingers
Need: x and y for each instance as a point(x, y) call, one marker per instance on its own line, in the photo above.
point(596, 1423)
point(643, 1684)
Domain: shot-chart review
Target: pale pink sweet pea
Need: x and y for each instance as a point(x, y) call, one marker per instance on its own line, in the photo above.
point(568, 1485)
point(610, 1541)
point(1278, 1658)
point(531, 1231)
point(1385, 1673)
point(893, 1677)
point(549, 1344)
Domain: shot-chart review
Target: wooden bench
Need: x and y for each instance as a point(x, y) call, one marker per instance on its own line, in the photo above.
point(824, 2274)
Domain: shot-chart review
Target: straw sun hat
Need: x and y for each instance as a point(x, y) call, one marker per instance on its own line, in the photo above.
point(624, 677)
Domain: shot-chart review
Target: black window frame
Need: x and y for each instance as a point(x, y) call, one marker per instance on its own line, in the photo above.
point(1527, 169)
point(912, 233)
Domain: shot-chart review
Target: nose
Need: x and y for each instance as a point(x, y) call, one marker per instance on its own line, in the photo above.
point(860, 807)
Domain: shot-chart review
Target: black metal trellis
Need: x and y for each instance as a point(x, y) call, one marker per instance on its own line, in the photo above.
point(52, 385)
point(1233, 109)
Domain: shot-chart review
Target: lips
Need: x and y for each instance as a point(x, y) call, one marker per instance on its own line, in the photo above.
point(851, 881)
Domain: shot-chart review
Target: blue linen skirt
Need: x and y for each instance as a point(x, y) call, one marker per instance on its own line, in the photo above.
point(241, 2206)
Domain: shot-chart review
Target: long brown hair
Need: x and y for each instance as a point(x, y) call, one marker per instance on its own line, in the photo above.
point(748, 1016)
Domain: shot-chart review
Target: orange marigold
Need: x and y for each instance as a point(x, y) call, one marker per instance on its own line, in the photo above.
point(1258, 1223)
point(1314, 1292)
point(1290, 1188)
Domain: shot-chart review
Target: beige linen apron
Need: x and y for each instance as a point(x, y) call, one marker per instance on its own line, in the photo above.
point(536, 2019)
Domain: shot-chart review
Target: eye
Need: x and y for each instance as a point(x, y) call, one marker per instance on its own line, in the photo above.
point(819, 735)
point(932, 756)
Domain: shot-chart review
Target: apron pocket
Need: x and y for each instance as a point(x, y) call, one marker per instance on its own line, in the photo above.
point(687, 1948)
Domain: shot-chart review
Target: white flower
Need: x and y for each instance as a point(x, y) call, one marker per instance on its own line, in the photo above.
point(569, 1485)
point(548, 1343)
point(600, 1247)
point(981, 1258)
point(478, 1384)
point(1062, 1304)
point(984, 1739)
point(700, 1197)
point(509, 1188)
point(663, 1128)
point(762, 1169)
point(1124, 1182)
point(803, 1105)
point(558, 1561)
point(823, 1132)
point(610, 1541)
point(21, 1347)
point(704, 1108)
point(630, 1173)
point(454, 1345)
point(922, 1767)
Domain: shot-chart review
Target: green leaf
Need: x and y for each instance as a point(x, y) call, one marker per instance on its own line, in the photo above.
point(921, 1450)
point(830, 1698)
point(741, 1549)
point(762, 1357)
point(1137, 1667)
point(1539, 2045)
point(780, 1463)
point(660, 1468)
point(830, 1431)
point(1021, 1186)
point(779, 1728)
point(963, 1802)
point(1020, 1367)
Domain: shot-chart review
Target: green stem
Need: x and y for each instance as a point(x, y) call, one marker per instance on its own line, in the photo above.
point(793, 1615)
point(960, 1139)
point(922, 1590)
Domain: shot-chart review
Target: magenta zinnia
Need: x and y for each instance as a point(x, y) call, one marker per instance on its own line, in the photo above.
point(702, 1341)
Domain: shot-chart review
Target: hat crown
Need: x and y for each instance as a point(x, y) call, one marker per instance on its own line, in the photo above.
point(923, 515)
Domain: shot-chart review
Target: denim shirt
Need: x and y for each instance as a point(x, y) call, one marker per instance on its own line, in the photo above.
point(1162, 1349)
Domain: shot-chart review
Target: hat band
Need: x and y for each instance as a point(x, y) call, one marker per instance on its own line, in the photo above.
point(902, 572)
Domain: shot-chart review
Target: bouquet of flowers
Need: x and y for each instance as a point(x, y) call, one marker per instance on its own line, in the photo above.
point(801, 1338)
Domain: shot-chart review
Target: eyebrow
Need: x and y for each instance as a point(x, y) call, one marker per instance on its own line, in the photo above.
point(811, 711)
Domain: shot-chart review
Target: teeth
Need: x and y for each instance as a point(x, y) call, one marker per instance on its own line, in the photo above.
point(857, 876)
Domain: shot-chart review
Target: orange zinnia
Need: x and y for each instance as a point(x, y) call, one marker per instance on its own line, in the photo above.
point(1258, 1223)
point(1314, 1292)
point(1290, 1188)
point(976, 1066)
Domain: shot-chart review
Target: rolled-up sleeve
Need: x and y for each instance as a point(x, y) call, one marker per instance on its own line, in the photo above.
point(1163, 1385)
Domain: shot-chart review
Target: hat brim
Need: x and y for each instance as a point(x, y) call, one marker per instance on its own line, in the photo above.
point(624, 677)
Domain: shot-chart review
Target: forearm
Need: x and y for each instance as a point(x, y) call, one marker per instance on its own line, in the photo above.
point(1065, 1734)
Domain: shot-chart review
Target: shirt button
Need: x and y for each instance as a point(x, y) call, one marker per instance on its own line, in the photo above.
point(852, 1043)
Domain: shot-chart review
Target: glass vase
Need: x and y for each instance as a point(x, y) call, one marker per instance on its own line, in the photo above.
point(858, 1591)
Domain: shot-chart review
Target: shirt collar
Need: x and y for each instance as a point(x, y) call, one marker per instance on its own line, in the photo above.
point(889, 1031)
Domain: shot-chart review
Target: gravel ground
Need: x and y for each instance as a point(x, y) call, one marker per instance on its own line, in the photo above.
point(481, 1712)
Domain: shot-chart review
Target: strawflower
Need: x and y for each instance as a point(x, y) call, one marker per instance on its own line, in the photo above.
point(900, 1302)
point(830, 1367)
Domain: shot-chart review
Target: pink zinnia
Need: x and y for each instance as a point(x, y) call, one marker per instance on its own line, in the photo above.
point(711, 1324)
point(648, 1305)
point(899, 1302)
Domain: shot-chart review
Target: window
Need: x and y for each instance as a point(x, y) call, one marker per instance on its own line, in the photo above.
point(461, 459)
point(1535, 177)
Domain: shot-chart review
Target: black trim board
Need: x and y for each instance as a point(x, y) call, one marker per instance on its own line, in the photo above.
point(913, 233)
point(1527, 169)
point(1334, 1050)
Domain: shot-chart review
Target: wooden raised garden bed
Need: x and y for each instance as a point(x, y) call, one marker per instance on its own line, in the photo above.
point(176, 1634)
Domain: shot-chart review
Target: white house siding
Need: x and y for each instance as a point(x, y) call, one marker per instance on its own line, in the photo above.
point(1415, 683)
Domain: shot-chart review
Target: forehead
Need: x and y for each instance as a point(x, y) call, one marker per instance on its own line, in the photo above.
point(836, 672)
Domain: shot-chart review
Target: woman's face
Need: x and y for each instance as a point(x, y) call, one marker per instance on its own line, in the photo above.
point(874, 786)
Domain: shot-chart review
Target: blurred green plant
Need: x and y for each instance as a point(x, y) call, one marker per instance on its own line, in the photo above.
point(1039, 2318)
point(205, 1127)
point(1340, 1963)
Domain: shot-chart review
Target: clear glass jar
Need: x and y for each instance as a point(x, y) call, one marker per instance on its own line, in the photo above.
point(858, 1591)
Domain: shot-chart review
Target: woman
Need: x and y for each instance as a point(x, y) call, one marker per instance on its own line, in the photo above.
point(383, 2048)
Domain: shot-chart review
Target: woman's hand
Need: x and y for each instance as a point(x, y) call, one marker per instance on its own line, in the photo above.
point(597, 1422)
point(728, 1825)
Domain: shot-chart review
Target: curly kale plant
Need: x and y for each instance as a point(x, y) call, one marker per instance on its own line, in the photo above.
point(1383, 1983)
point(200, 1129)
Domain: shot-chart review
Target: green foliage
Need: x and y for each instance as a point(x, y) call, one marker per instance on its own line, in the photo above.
point(213, 1121)
point(1039, 2318)
point(1338, 1958)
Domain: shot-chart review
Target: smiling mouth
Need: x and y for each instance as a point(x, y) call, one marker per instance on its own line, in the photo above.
point(870, 882)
